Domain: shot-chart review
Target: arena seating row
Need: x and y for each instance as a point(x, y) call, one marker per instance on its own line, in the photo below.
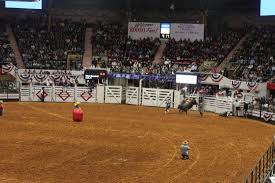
point(6, 53)
point(44, 47)
point(254, 60)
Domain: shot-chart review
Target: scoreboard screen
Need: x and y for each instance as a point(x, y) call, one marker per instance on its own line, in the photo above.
point(165, 29)
point(187, 79)
point(24, 4)
point(95, 74)
point(267, 8)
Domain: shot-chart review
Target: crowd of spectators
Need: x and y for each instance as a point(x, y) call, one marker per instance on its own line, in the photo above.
point(46, 46)
point(6, 53)
point(123, 53)
point(254, 58)
point(184, 55)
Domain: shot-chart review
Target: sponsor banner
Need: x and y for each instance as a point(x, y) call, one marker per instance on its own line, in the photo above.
point(187, 31)
point(140, 30)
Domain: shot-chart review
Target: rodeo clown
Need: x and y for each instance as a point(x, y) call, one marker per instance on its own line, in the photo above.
point(168, 105)
point(1, 108)
point(184, 149)
point(77, 112)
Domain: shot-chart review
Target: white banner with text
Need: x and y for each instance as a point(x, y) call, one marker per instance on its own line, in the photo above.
point(190, 32)
point(140, 30)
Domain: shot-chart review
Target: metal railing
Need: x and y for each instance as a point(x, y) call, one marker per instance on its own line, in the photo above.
point(263, 168)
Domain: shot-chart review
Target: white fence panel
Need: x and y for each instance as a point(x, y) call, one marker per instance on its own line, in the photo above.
point(85, 94)
point(177, 98)
point(64, 94)
point(37, 93)
point(8, 96)
point(100, 89)
point(210, 104)
point(113, 94)
point(132, 95)
point(223, 104)
point(25, 94)
point(164, 95)
point(149, 97)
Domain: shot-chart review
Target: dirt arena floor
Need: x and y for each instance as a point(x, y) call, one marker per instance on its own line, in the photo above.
point(39, 143)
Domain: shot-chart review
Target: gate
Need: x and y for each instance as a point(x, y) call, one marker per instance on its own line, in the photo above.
point(164, 95)
point(156, 97)
point(113, 94)
point(149, 97)
point(132, 95)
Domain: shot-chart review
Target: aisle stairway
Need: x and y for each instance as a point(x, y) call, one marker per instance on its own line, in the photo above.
point(159, 53)
point(15, 49)
point(230, 55)
point(87, 58)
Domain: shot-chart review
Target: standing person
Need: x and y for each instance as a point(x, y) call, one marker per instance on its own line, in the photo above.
point(237, 107)
point(168, 105)
point(1, 108)
point(184, 149)
point(200, 108)
point(43, 95)
point(245, 108)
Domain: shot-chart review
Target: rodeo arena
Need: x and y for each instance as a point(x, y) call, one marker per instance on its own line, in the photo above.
point(133, 91)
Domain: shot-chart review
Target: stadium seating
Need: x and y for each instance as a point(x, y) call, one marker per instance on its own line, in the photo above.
point(188, 55)
point(123, 54)
point(45, 48)
point(254, 59)
point(6, 53)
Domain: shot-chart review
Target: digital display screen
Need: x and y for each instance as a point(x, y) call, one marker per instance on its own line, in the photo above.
point(267, 7)
point(35, 4)
point(94, 74)
point(186, 79)
point(165, 28)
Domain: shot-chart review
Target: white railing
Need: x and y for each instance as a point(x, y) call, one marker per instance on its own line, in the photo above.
point(119, 95)
point(9, 96)
point(62, 94)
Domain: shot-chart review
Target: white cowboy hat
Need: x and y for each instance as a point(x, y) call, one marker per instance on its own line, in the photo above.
point(184, 142)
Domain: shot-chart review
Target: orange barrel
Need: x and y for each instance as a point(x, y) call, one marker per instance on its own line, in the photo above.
point(77, 115)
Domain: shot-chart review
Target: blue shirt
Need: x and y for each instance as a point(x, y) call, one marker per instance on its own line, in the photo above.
point(184, 149)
